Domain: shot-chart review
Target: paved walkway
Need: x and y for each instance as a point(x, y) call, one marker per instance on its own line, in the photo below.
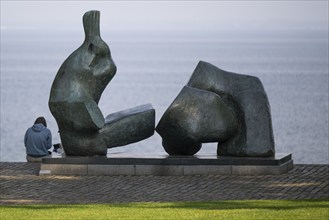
point(20, 184)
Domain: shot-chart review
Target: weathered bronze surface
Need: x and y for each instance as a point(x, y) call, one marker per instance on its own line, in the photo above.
point(219, 106)
point(76, 91)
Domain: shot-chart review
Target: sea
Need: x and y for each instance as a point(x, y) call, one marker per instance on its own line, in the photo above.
point(154, 65)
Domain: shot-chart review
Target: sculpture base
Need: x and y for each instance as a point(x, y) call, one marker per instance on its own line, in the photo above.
point(164, 165)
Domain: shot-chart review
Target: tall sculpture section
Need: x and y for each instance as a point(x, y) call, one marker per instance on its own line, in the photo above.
point(76, 91)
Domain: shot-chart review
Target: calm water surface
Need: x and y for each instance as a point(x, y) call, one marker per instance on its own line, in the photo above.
point(153, 67)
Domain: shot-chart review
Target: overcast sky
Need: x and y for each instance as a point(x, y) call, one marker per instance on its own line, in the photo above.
point(164, 14)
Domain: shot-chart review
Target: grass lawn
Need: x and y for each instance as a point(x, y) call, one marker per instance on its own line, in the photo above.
point(235, 209)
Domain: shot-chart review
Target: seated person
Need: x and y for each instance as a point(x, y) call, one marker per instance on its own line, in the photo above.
point(38, 141)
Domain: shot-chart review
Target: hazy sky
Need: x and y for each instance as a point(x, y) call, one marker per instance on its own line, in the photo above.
point(164, 14)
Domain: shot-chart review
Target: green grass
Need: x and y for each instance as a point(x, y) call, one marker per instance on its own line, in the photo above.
point(237, 209)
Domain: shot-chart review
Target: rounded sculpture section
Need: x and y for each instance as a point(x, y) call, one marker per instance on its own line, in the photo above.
point(195, 117)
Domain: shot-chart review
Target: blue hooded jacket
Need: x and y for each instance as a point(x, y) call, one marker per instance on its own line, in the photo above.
point(37, 140)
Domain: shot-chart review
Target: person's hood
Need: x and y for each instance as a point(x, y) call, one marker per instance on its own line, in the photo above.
point(38, 127)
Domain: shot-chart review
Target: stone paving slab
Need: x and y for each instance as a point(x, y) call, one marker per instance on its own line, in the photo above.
point(21, 184)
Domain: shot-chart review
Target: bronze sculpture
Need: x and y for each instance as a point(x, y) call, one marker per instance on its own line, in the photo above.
point(75, 94)
point(219, 106)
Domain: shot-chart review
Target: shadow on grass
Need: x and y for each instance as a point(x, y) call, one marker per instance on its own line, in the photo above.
point(239, 204)
point(219, 205)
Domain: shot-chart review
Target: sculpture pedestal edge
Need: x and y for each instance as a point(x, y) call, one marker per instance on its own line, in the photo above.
point(164, 165)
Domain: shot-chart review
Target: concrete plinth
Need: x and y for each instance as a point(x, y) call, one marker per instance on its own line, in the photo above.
point(164, 165)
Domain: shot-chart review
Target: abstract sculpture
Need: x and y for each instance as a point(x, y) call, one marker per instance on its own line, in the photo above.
point(75, 94)
point(219, 106)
